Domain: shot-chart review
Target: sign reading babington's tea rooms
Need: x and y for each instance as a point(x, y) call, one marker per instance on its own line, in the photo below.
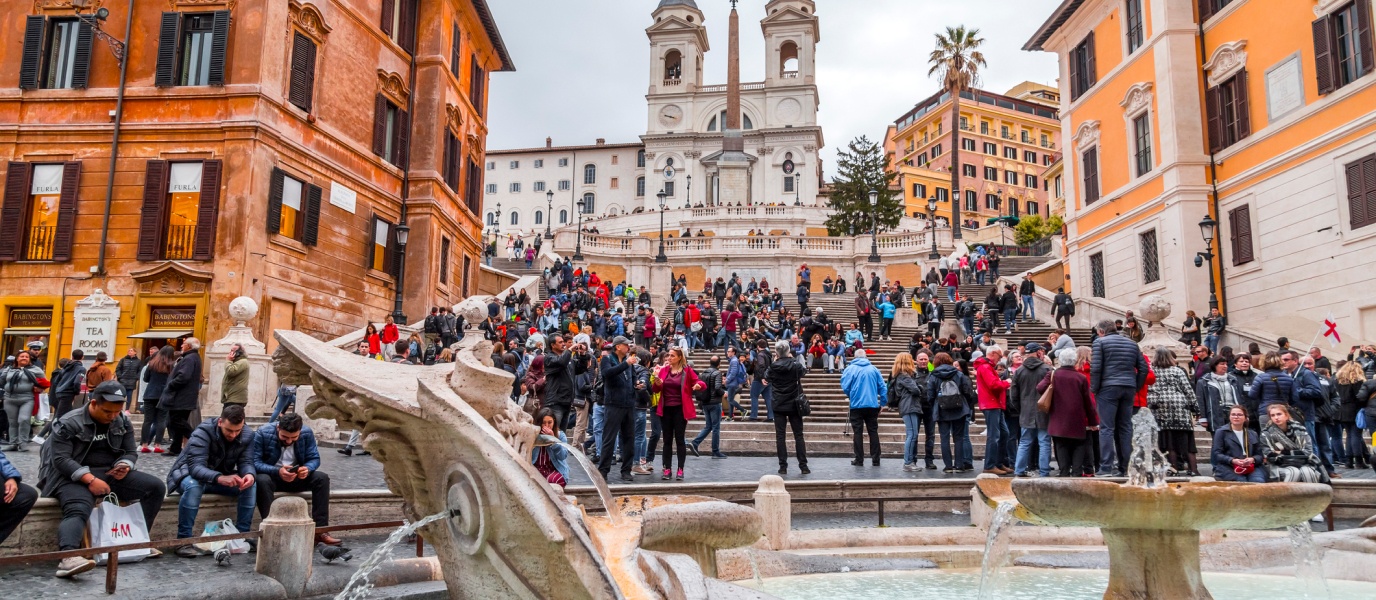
point(93, 325)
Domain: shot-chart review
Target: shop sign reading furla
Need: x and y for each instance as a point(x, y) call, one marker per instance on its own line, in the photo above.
point(788, 167)
point(93, 325)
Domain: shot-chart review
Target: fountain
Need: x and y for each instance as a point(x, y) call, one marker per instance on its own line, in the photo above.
point(457, 451)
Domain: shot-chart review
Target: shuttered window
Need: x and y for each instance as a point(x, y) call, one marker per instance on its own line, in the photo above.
point(192, 49)
point(1361, 191)
point(1343, 46)
point(1240, 226)
point(444, 260)
point(391, 131)
point(1090, 163)
point(406, 23)
point(381, 249)
point(1082, 69)
point(39, 211)
point(180, 212)
point(293, 208)
point(473, 197)
point(1133, 10)
point(56, 53)
point(467, 266)
point(1227, 112)
point(453, 160)
point(1096, 275)
point(1207, 8)
point(302, 71)
point(477, 80)
point(455, 52)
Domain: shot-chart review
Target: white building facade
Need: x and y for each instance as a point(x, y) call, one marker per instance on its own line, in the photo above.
point(607, 178)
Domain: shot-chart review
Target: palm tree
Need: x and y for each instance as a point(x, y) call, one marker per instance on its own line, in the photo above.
point(956, 62)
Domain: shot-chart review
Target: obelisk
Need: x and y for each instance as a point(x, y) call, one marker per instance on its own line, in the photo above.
point(733, 167)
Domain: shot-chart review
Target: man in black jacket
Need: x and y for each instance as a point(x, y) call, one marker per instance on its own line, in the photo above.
point(181, 395)
point(127, 371)
point(618, 407)
point(90, 454)
point(66, 383)
point(562, 364)
point(785, 375)
point(1064, 307)
point(760, 360)
point(710, 399)
point(219, 460)
point(1027, 289)
point(1117, 371)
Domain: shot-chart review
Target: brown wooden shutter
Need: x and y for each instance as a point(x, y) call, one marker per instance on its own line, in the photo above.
point(1369, 186)
point(455, 52)
point(1091, 160)
point(34, 26)
point(475, 85)
point(1074, 75)
point(1215, 126)
point(311, 234)
point(302, 72)
point(151, 220)
point(81, 57)
point(17, 180)
point(1363, 10)
point(1091, 72)
point(447, 168)
point(474, 191)
point(1240, 106)
point(444, 260)
point(1325, 72)
point(276, 181)
point(380, 125)
point(208, 216)
point(219, 45)
point(401, 145)
point(388, 9)
point(66, 211)
point(406, 38)
point(1240, 222)
point(1361, 191)
point(169, 35)
point(1206, 10)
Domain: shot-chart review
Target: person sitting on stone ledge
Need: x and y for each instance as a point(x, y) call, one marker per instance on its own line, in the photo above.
point(287, 459)
point(90, 454)
point(218, 459)
point(16, 499)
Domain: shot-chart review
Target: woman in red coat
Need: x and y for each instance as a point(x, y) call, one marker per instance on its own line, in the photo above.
point(374, 341)
point(390, 335)
point(675, 384)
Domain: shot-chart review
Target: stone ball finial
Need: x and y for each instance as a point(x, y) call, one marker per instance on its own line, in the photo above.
point(1154, 308)
point(242, 309)
point(771, 483)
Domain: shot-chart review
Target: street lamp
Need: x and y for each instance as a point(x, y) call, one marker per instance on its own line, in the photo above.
point(549, 213)
point(874, 227)
point(578, 248)
point(661, 258)
point(1207, 228)
point(403, 233)
point(688, 203)
point(931, 215)
point(798, 189)
point(498, 225)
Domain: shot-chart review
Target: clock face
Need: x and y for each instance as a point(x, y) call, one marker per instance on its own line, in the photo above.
point(670, 116)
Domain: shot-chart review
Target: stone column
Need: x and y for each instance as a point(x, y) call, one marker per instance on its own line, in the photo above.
point(287, 545)
point(261, 396)
point(774, 504)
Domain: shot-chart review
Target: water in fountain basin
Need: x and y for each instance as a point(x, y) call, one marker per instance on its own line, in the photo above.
point(358, 586)
point(1147, 466)
point(603, 492)
point(1308, 568)
point(996, 549)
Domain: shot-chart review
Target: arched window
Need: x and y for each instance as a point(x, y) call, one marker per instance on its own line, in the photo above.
point(613, 211)
point(640, 187)
point(588, 203)
point(515, 218)
point(563, 217)
point(590, 174)
point(745, 122)
point(539, 217)
point(712, 125)
point(788, 60)
point(640, 159)
point(491, 218)
point(673, 65)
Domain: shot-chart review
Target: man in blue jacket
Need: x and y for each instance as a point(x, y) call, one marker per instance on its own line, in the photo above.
point(287, 459)
point(1117, 371)
point(218, 459)
point(1306, 396)
point(618, 407)
point(865, 386)
point(15, 498)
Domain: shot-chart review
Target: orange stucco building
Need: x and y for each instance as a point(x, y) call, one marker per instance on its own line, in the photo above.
point(1257, 113)
point(267, 148)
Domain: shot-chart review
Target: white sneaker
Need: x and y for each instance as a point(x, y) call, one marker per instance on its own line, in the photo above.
point(38, 439)
point(1317, 518)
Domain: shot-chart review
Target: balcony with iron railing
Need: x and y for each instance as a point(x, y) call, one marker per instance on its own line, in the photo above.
point(40, 243)
point(1048, 145)
point(181, 239)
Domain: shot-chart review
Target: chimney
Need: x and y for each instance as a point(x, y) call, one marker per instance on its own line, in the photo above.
point(601, 141)
point(549, 142)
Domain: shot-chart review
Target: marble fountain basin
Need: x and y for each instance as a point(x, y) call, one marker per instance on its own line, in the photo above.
point(1185, 506)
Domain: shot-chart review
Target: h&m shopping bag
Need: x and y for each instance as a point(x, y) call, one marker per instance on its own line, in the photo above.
point(115, 525)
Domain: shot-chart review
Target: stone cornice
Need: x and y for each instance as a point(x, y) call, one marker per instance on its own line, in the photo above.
point(1226, 61)
point(1137, 98)
point(1087, 134)
point(393, 86)
point(307, 18)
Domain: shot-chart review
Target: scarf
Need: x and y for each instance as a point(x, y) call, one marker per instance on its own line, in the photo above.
point(1227, 395)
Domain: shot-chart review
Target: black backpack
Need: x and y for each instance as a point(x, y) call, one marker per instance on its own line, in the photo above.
point(432, 324)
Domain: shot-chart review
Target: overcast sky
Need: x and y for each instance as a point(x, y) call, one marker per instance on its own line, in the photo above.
point(582, 66)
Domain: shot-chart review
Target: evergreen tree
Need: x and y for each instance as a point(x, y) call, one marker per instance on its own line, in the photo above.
point(861, 169)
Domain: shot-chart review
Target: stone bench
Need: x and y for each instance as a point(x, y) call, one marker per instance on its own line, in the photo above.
point(38, 532)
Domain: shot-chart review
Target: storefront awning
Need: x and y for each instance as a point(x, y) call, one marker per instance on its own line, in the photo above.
point(26, 331)
point(162, 334)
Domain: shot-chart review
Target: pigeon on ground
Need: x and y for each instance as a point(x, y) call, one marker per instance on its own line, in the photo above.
point(222, 557)
point(334, 552)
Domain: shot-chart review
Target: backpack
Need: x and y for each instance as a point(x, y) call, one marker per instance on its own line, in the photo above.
point(892, 399)
point(431, 325)
point(948, 395)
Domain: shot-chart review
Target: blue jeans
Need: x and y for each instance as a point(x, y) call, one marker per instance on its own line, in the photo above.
point(639, 423)
point(190, 504)
point(756, 391)
point(1025, 448)
point(1354, 441)
point(597, 421)
point(1320, 443)
point(1029, 312)
point(692, 338)
point(969, 324)
point(1336, 452)
point(1010, 318)
point(960, 428)
point(282, 403)
point(712, 413)
point(950, 293)
point(979, 277)
point(912, 423)
point(732, 405)
point(996, 435)
point(1115, 428)
point(1211, 342)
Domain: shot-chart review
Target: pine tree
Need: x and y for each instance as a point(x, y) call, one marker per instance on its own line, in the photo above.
point(862, 169)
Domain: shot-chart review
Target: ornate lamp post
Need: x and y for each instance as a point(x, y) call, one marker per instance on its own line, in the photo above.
point(549, 213)
point(931, 215)
point(497, 227)
point(688, 203)
point(1208, 227)
point(578, 248)
point(661, 258)
point(798, 189)
point(874, 227)
point(403, 233)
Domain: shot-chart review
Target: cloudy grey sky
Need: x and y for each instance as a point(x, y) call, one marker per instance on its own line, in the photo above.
point(583, 65)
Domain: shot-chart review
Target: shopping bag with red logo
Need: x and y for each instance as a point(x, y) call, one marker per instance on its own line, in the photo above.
point(115, 525)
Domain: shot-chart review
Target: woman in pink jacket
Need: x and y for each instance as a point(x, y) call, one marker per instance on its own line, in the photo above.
point(675, 384)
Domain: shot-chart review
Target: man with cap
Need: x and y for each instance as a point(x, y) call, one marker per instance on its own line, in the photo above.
point(1035, 438)
point(90, 454)
point(618, 407)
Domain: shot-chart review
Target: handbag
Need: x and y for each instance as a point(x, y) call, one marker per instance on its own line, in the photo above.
point(114, 525)
point(696, 326)
point(804, 407)
point(1044, 402)
point(1361, 419)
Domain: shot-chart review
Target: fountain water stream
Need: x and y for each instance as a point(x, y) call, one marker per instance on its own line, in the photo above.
point(1308, 567)
point(754, 567)
point(1147, 466)
point(603, 492)
point(359, 586)
point(996, 549)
